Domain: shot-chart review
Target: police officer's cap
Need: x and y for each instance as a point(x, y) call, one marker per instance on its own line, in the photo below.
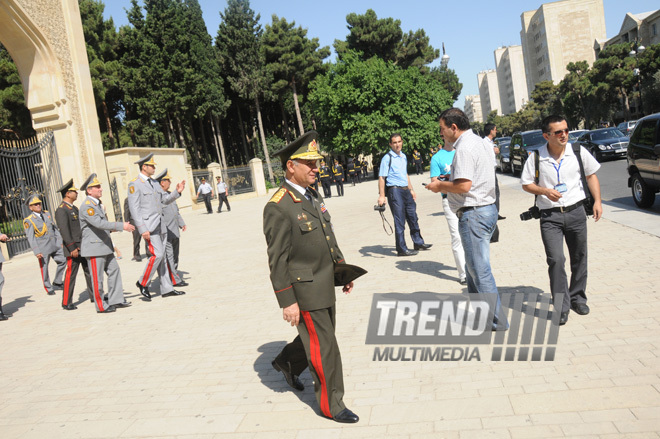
point(68, 186)
point(304, 147)
point(148, 160)
point(163, 176)
point(32, 199)
point(90, 182)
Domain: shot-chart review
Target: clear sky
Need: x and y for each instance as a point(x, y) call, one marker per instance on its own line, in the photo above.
point(470, 29)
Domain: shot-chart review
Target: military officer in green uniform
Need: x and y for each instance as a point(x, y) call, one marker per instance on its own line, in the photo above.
point(302, 253)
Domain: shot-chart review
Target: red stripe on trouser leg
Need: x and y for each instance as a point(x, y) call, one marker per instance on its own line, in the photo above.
point(150, 266)
point(41, 269)
point(315, 355)
point(95, 282)
point(67, 282)
point(171, 274)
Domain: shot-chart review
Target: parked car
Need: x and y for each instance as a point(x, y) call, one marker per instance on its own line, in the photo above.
point(644, 160)
point(497, 140)
point(573, 135)
point(627, 127)
point(605, 143)
point(503, 158)
point(522, 145)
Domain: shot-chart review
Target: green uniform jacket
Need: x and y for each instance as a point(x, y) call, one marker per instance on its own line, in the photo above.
point(302, 249)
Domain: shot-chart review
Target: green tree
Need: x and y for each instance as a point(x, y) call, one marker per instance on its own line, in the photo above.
point(384, 39)
point(14, 115)
point(242, 60)
point(102, 42)
point(613, 77)
point(361, 102)
point(578, 94)
point(292, 58)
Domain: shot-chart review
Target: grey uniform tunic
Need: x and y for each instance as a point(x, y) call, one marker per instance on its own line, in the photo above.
point(97, 247)
point(45, 239)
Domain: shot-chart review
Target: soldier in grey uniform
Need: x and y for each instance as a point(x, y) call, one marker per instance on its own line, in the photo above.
point(3, 316)
point(46, 243)
point(145, 201)
point(302, 254)
point(173, 221)
point(97, 247)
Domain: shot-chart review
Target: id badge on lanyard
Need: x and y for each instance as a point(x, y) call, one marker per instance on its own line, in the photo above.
point(559, 187)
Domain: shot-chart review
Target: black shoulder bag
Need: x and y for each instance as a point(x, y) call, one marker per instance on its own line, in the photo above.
point(589, 200)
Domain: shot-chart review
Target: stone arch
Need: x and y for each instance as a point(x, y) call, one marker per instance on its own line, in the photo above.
point(46, 42)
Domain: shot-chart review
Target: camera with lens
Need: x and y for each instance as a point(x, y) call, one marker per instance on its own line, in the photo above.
point(379, 208)
point(532, 213)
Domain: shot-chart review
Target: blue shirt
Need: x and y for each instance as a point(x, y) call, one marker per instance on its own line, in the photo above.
point(394, 168)
point(441, 162)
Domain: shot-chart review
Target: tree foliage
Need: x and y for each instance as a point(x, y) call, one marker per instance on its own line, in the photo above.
point(15, 118)
point(361, 102)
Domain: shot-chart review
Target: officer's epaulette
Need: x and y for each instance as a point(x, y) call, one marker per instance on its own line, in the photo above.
point(294, 197)
point(87, 202)
point(134, 179)
point(277, 196)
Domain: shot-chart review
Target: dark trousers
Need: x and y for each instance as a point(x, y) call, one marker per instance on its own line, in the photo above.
point(419, 169)
point(404, 209)
point(326, 187)
point(222, 198)
point(571, 227)
point(137, 237)
point(72, 265)
point(340, 187)
point(207, 202)
point(496, 233)
point(175, 250)
point(316, 347)
point(353, 178)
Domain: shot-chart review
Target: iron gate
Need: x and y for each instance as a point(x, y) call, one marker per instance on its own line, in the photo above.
point(27, 167)
point(116, 203)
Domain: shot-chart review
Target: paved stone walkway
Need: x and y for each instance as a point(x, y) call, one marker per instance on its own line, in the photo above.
point(198, 366)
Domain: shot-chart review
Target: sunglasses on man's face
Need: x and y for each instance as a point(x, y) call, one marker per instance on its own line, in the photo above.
point(559, 132)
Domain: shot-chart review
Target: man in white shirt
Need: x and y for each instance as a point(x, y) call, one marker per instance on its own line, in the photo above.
point(471, 196)
point(560, 199)
point(222, 190)
point(206, 191)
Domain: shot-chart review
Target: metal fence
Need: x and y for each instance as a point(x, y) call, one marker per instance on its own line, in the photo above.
point(27, 167)
point(238, 180)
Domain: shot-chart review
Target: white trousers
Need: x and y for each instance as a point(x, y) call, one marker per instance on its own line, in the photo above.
point(456, 245)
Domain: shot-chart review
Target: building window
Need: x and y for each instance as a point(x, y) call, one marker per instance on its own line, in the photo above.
point(654, 29)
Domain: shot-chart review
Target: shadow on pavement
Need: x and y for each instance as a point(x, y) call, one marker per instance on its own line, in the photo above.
point(377, 251)
point(12, 307)
point(275, 381)
point(432, 268)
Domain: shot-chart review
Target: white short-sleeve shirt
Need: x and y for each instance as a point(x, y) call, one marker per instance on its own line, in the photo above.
point(566, 171)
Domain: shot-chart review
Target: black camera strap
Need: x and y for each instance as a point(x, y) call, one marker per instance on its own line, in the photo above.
point(382, 216)
point(536, 172)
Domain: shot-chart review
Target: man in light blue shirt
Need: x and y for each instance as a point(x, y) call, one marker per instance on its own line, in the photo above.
point(394, 184)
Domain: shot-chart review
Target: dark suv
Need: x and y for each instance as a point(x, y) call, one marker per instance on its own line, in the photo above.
point(644, 160)
point(522, 145)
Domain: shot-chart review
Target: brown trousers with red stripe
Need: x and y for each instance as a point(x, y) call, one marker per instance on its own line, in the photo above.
point(72, 265)
point(316, 346)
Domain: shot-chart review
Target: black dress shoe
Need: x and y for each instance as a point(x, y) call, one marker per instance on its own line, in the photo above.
point(174, 293)
point(69, 307)
point(143, 290)
point(563, 318)
point(580, 308)
point(51, 293)
point(58, 286)
point(183, 283)
point(346, 416)
point(423, 246)
point(111, 308)
point(500, 217)
point(136, 259)
point(291, 379)
point(124, 304)
point(407, 253)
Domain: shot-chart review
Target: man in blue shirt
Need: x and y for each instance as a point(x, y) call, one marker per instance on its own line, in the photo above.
point(393, 175)
point(440, 170)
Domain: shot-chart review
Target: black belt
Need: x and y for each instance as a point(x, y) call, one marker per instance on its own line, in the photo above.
point(405, 188)
point(564, 209)
point(462, 210)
